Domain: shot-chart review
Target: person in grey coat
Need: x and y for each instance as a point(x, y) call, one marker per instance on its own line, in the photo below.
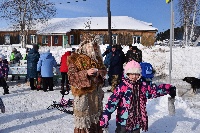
point(45, 67)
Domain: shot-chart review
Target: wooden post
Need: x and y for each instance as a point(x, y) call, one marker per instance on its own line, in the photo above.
point(109, 23)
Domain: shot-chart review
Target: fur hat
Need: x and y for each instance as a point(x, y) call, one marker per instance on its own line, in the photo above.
point(132, 67)
point(87, 46)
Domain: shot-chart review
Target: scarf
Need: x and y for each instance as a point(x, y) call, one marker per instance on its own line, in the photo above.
point(137, 110)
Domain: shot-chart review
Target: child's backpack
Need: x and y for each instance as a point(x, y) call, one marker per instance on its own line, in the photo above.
point(147, 70)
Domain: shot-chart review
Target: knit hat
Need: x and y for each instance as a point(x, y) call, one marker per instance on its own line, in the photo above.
point(132, 67)
point(35, 46)
point(114, 46)
point(134, 48)
point(109, 47)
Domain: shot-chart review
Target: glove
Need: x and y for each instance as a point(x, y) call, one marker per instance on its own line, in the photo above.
point(172, 91)
point(105, 130)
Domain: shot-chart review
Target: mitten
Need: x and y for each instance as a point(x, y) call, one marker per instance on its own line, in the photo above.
point(172, 91)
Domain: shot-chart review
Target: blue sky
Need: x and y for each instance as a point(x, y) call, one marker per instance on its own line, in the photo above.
point(156, 12)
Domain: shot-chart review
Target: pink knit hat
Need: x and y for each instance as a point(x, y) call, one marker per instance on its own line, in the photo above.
point(132, 67)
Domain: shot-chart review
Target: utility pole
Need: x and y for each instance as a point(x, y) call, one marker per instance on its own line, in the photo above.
point(171, 40)
point(109, 23)
point(193, 21)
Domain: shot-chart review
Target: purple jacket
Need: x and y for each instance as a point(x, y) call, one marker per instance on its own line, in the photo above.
point(131, 109)
point(4, 68)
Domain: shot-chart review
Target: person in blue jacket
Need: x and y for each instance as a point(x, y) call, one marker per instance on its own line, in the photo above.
point(32, 59)
point(115, 68)
point(106, 62)
point(45, 67)
point(107, 58)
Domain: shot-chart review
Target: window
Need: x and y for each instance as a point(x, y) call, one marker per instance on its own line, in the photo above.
point(114, 39)
point(71, 39)
point(33, 39)
point(45, 39)
point(81, 39)
point(7, 39)
point(55, 39)
point(136, 39)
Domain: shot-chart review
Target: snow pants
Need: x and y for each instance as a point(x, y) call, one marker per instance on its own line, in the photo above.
point(121, 129)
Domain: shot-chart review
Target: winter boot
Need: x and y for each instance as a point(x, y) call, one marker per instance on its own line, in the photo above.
point(6, 91)
point(67, 87)
point(2, 107)
point(62, 86)
point(13, 77)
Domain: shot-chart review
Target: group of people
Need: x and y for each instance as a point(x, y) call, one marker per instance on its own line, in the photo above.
point(15, 57)
point(86, 72)
point(114, 60)
point(40, 65)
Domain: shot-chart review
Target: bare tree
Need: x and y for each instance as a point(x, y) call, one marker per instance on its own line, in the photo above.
point(188, 11)
point(24, 14)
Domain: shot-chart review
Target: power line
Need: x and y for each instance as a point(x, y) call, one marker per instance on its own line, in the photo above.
point(71, 1)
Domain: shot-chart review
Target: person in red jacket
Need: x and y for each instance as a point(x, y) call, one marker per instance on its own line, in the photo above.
point(64, 70)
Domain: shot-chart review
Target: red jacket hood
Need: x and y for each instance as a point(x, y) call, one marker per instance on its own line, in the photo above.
point(63, 65)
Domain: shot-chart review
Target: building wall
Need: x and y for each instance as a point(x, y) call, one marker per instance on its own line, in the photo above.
point(15, 36)
point(51, 40)
point(124, 37)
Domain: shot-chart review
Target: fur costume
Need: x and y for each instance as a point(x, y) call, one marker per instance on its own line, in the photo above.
point(80, 83)
point(87, 90)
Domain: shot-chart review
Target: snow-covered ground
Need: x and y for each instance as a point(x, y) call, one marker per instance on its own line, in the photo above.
point(26, 110)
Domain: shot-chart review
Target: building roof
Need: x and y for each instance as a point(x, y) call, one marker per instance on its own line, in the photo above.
point(64, 25)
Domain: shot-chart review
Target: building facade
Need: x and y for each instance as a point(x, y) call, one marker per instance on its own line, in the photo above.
point(66, 32)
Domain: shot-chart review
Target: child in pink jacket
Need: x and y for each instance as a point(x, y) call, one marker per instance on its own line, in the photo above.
point(129, 98)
